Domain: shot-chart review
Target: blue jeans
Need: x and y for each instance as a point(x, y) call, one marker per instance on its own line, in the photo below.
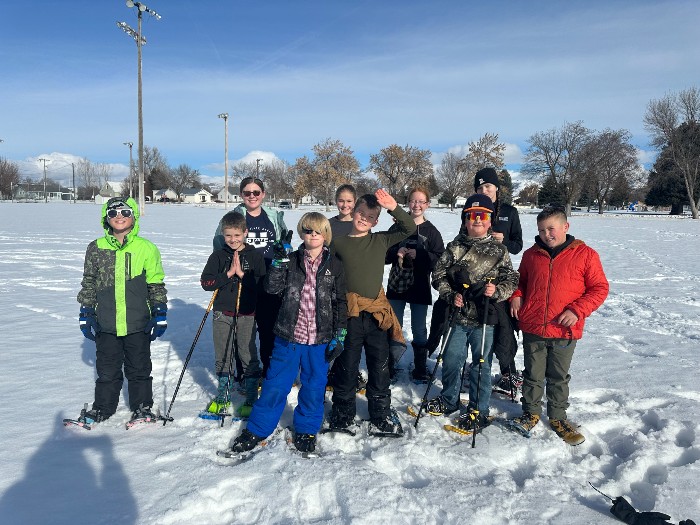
point(419, 313)
point(453, 361)
point(286, 360)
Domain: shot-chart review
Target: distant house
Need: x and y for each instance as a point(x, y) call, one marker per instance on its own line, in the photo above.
point(196, 196)
point(35, 192)
point(164, 195)
point(109, 190)
point(309, 199)
point(233, 195)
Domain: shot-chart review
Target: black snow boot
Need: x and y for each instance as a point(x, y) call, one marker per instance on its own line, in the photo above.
point(420, 363)
point(342, 415)
point(305, 442)
point(246, 441)
point(388, 426)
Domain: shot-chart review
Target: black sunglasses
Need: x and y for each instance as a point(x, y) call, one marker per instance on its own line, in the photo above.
point(247, 193)
point(309, 231)
point(126, 213)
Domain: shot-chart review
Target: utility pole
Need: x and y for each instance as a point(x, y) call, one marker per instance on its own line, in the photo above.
point(257, 168)
point(74, 192)
point(131, 169)
point(46, 199)
point(140, 40)
point(225, 117)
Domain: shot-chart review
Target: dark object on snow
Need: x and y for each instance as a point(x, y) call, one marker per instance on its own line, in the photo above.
point(622, 510)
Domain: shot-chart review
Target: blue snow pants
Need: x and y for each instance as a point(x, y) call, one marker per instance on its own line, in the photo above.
point(287, 360)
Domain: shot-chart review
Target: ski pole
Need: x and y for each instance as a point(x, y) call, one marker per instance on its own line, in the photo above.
point(445, 339)
point(481, 362)
point(167, 417)
point(232, 358)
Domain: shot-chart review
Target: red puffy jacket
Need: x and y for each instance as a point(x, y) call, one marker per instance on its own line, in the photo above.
point(573, 280)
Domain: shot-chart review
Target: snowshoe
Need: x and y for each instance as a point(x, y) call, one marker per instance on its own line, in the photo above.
point(389, 426)
point(508, 384)
point(469, 423)
point(438, 407)
point(142, 415)
point(86, 419)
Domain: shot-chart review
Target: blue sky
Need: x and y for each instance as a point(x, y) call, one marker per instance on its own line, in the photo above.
point(432, 74)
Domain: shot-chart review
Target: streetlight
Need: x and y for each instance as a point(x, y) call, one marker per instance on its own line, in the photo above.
point(140, 41)
point(225, 117)
point(131, 171)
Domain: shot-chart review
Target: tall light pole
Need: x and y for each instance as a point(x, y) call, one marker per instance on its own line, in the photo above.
point(46, 199)
point(257, 168)
point(131, 170)
point(140, 41)
point(225, 117)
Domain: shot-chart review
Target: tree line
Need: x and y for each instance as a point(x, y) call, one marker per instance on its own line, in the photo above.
point(570, 165)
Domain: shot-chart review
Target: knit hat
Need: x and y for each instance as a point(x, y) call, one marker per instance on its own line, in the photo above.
point(486, 176)
point(477, 202)
point(116, 203)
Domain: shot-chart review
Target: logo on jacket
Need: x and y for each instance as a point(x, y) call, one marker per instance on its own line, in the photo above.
point(328, 271)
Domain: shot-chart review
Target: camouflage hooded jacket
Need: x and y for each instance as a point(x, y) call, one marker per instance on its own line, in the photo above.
point(482, 258)
point(122, 281)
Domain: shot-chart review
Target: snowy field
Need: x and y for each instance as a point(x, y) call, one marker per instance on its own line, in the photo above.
point(632, 389)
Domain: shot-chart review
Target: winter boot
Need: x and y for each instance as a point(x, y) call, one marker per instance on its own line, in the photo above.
point(527, 421)
point(566, 431)
point(342, 416)
point(243, 411)
point(221, 403)
point(361, 383)
point(143, 413)
point(92, 416)
point(420, 363)
point(438, 407)
point(305, 442)
point(246, 441)
point(388, 426)
point(508, 383)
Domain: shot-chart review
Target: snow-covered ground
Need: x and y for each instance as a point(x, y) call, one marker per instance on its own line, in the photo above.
point(632, 388)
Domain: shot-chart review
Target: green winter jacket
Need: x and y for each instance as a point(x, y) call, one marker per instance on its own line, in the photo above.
point(122, 282)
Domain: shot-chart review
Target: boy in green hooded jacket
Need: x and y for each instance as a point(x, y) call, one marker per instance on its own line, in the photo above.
point(123, 308)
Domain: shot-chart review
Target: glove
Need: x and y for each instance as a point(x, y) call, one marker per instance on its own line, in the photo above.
point(88, 322)
point(158, 323)
point(622, 510)
point(281, 250)
point(474, 291)
point(336, 345)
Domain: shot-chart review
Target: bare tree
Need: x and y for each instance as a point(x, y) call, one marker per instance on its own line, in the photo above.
point(528, 195)
point(452, 177)
point(333, 164)
point(398, 167)
point(487, 152)
point(610, 162)
point(156, 170)
point(279, 178)
point(241, 170)
point(556, 154)
point(184, 177)
point(9, 177)
point(672, 122)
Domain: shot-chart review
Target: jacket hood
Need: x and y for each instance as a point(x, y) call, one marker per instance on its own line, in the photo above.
point(131, 203)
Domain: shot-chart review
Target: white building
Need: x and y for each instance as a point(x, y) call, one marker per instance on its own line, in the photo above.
point(196, 196)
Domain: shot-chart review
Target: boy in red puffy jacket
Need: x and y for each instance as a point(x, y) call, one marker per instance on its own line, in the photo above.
point(561, 283)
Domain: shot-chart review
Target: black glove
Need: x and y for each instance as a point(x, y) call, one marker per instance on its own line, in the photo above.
point(622, 510)
point(88, 322)
point(336, 345)
point(158, 323)
point(474, 291)
point(281, 250)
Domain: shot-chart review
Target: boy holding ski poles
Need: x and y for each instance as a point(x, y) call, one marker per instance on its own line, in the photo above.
point(309, 333)
point(237, 271)
point(561, 283)
point(474, 272)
